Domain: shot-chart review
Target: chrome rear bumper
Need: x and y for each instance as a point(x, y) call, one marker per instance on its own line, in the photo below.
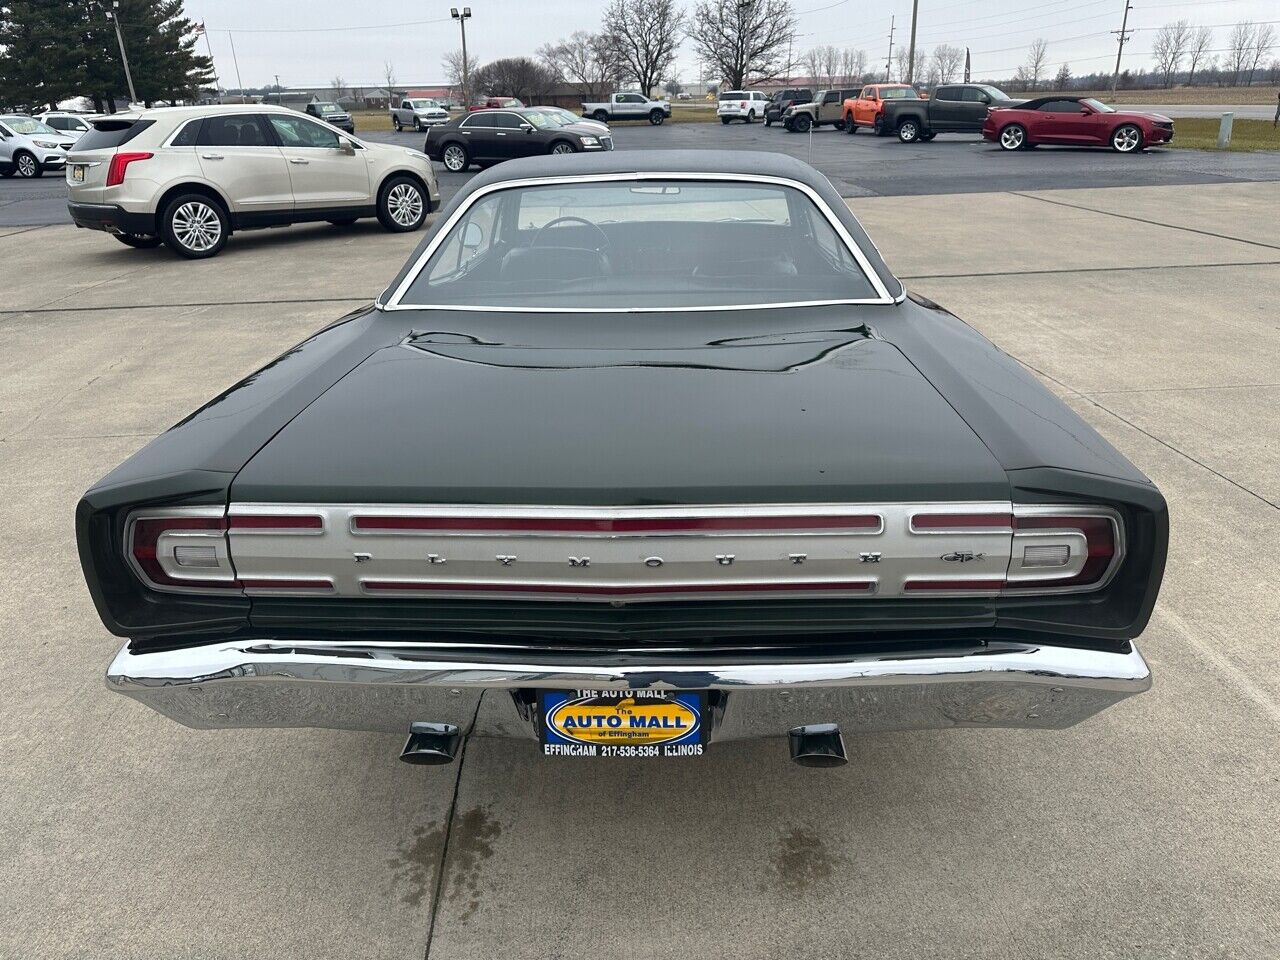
point(387, 686)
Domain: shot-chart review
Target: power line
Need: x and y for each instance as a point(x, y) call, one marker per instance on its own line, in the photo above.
point(362, 26)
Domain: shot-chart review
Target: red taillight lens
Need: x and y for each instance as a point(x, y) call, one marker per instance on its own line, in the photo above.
point(119, 163)
point(1062, 550)
point(742, 105)
point(182, 551)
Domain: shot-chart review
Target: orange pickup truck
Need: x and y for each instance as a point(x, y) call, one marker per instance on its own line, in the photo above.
point(867, 109)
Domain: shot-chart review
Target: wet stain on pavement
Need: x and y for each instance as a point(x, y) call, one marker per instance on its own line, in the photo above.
point(470, 844)
point(413, 867)
point(801, 860)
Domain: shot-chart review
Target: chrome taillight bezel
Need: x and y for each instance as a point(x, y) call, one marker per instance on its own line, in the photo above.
point(219, 581)
point(1044, 586)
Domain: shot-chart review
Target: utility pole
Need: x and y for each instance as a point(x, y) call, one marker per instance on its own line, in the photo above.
point(278, 100)
point(1123, 34)
point(462, 17)
point(888, 62)
point(911, 54)
point(114, 16)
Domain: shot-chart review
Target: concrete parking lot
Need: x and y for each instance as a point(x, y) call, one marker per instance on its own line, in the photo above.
point(1148, 831)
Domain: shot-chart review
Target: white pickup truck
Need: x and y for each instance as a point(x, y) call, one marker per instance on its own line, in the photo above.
point(417, 113)
point(628, 106)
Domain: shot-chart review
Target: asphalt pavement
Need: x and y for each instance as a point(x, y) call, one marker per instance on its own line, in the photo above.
point(860, 165)
point(1146, 833)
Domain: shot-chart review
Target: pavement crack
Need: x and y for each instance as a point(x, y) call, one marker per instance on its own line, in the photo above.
point(1154, 223)
point(1147, 433)
point(438, 890)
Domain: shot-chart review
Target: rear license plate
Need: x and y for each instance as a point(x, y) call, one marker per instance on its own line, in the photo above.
point(77, 172)
point(622, 723)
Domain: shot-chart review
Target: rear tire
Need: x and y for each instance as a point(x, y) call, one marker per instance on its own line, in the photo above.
point(27, 165)
point(195, 226)
point(849, 126)
point(908, 131)
point(656, 117)
point(725, 121)
point(768, 120)
point(455, 158)
point(601, 115)
point(395, 122)
point(878, 127)
point(751, 116)
point(402, 205)
point(138, 242)
point(1013, 137)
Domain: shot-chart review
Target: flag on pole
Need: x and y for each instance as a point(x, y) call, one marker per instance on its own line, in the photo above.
point(200, 29)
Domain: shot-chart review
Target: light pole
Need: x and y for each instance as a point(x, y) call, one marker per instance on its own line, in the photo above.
point(462, 16)
point(124, 57)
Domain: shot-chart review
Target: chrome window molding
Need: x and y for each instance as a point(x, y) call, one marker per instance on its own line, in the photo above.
point(393, 302)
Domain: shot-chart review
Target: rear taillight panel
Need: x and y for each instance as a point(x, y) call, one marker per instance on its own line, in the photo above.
point(1064, 549)
point(182, 549)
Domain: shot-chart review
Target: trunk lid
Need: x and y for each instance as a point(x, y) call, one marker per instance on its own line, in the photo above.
point(832, 416)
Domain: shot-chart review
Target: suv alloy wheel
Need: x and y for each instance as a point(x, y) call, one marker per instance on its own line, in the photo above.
point(402, 206)
point(195, 226)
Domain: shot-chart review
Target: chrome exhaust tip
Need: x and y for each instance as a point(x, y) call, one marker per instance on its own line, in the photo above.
point(817, 745)
point(431, 743)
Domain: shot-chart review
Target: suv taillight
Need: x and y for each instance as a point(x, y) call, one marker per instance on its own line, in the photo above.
point(119, 163)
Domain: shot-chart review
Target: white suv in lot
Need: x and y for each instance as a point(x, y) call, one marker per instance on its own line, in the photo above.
point(28, 147)
point(744, 105)
point(190, 176)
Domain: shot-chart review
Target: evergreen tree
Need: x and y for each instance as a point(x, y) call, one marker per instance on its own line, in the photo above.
point(51, 50)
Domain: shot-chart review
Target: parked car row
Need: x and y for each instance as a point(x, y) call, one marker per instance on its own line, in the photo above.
point(897, 109)
point(29, 147)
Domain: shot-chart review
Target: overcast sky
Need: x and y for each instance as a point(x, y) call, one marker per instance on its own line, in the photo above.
point(309, 42)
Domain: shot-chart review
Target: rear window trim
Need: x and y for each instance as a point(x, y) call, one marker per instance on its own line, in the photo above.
point(394, 301)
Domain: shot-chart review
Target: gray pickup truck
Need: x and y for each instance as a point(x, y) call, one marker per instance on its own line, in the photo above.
point(952, 108)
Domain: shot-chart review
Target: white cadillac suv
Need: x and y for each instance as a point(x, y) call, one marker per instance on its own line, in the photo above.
point(190, 176)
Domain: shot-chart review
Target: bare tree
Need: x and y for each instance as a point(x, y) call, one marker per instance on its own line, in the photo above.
point(1240, 49)
point(1037, 59)
point(1197, 50)
point(389, 78)
point(520, 77)
point(644, 36)
point(339, 87)
point(901, 60)
point(673, 84)
point(853, 64)
point(584, 61)
point(812, 62)
point(1063, 80)
point(453, 71)
point(743, 41)
point(948, 60)
point(1264, 38)
point(1169, 47)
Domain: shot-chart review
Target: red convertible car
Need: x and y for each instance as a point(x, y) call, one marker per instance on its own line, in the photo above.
point(1075, 121)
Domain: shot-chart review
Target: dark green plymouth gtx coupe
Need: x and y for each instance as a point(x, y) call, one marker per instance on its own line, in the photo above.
point(646, 452)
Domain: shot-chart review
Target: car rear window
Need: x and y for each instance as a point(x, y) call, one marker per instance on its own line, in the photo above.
point(640, 244)
point(733, 95)
point(108, 134)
